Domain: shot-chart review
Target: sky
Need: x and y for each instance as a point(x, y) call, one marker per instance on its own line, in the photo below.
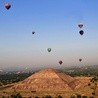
point(55, 23)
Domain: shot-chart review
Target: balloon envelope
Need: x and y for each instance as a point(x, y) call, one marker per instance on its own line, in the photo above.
point(7, 6)
point(80, 25)
point(81, 32)
point(49, 49)
point(80, 60)
point(33, 32)
point(60, 62)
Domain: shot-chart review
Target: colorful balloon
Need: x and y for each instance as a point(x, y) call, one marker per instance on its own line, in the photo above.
point(81, 32)
point(7, 6)
point(49, 49)
point(80, 25)
point(60, 62)
point(80, 60)
point(33, 32)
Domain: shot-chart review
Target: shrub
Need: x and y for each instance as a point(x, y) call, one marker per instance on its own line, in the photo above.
point(84, 97)
point(16, 95)
point(89, 84)
point(47, 96)
point(93, 93)
point(79, 96)
point(91, 97)
point(3, 97)
point(36, 97)
point(73, 96)
point(59, 96)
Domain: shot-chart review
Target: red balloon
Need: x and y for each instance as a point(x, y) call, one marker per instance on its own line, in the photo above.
point(7, 6)
point(60, 62)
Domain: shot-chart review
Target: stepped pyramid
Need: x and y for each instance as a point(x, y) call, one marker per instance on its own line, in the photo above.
point(48, 80)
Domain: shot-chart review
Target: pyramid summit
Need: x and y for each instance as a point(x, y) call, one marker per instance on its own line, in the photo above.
point(48, 80)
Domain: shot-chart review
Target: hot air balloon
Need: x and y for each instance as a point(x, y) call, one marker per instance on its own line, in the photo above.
point(80, 60)
point(81, 32)
point(7, 6)
point(33, 32)
point(49, 49)
point(60, 62)
point(80, 25)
